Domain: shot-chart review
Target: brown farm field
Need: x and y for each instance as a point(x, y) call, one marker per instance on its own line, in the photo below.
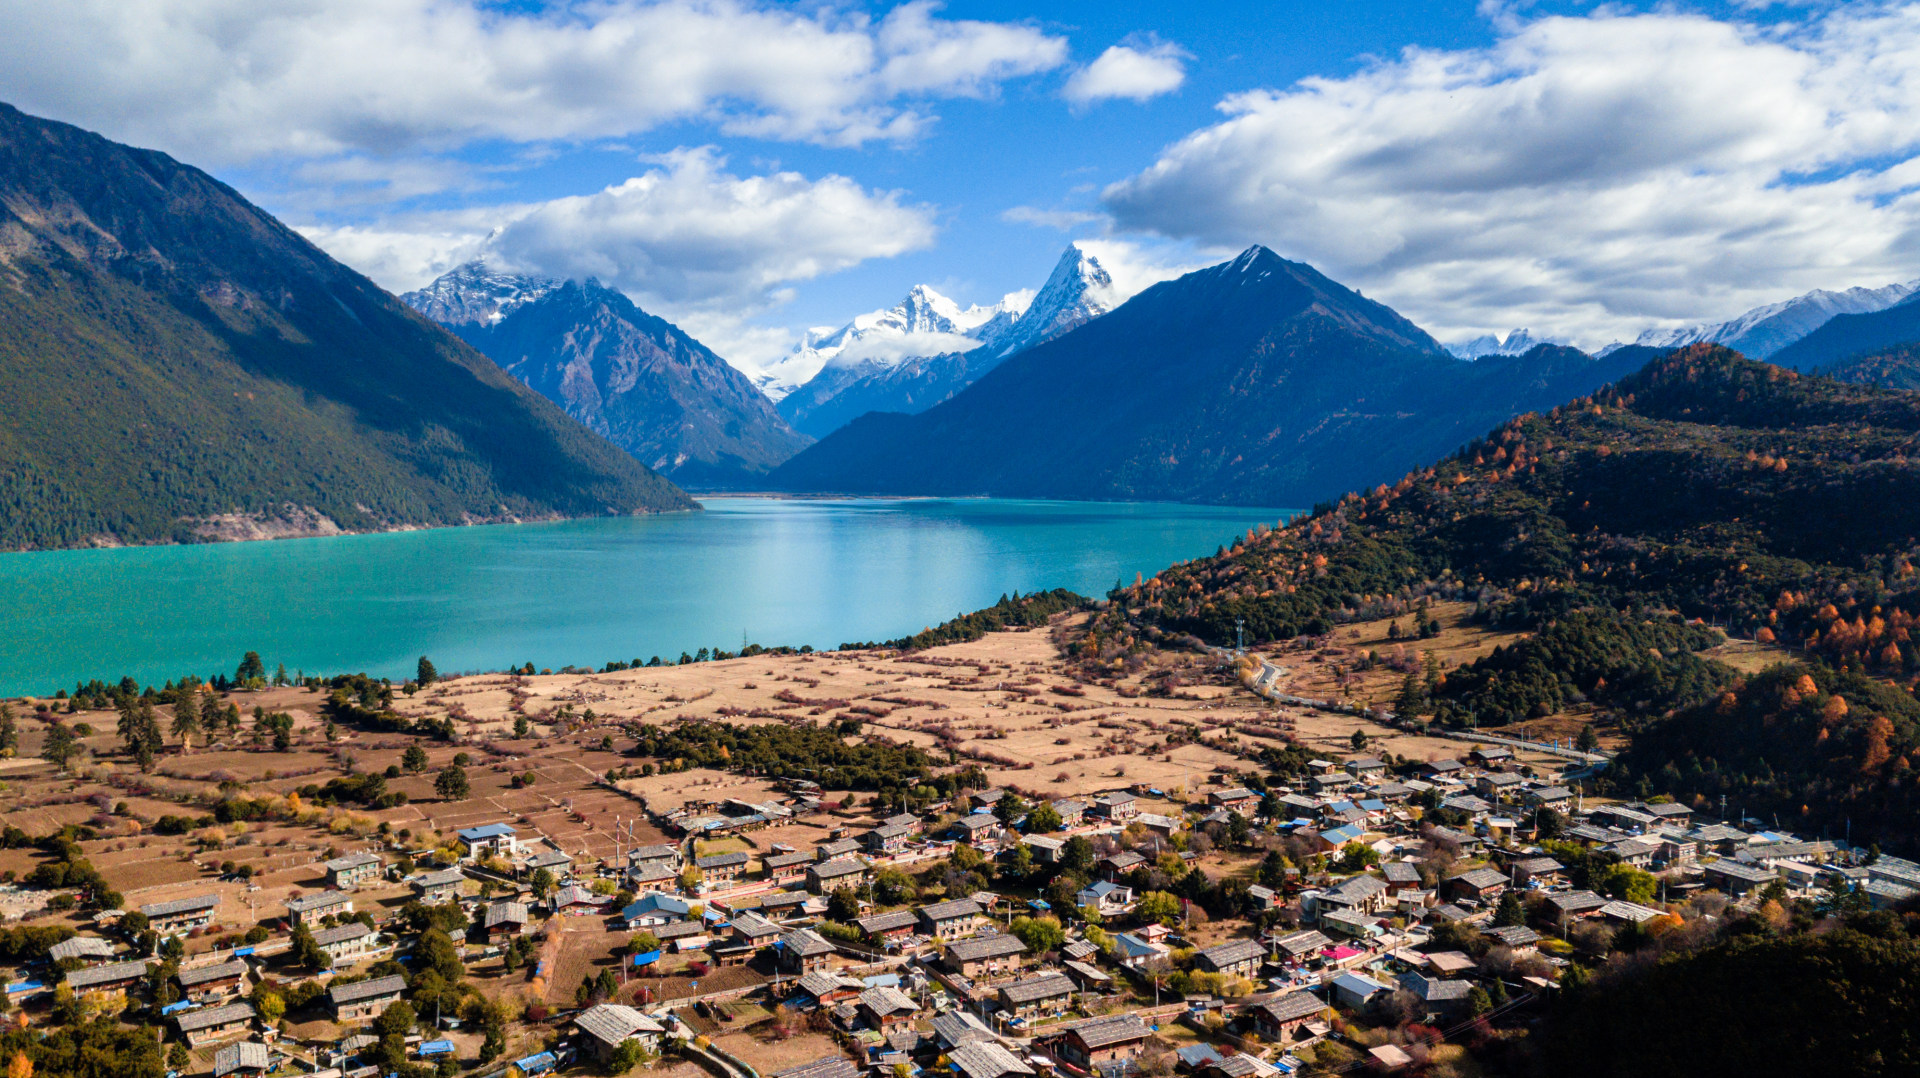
point(1007, 703)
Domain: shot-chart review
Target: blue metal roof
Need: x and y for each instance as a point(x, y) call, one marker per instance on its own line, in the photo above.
point(533, 1064)
point(492, 830)
point(436, 1048)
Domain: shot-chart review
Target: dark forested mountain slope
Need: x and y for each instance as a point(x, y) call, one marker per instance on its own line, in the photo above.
point(1704, 486)
point(178, 365)
point(630, 376)
point(1258, 381)
point(1895, 368)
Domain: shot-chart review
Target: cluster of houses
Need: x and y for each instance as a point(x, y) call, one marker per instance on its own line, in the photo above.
point(947, 985)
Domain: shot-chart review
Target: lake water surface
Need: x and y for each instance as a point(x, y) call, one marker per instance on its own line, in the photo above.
point(579, 592)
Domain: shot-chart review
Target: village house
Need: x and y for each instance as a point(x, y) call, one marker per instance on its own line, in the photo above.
point(986, 1059)
point(786, 905)
point(803, 950)
point(1046, 849)
point(952, 919)
point(1514, 937)
point(1350, 924)
point(1087, 977)
point(1164, 826)
point(979, 830)
point(1400, 875)
point(1498, 786)
point(246, 1058)
point(1438, 997)
point(610, 1025)
point(721, 869)
point(1557, 798)
point(310, 909)
point(826, 988)
point(1333, 838)
point(346, 873)
point(1737, 879)
point(753, 930)
point(886, 1008)
point(983, 800)
point(1569, 904)
point(1360, 894)
point(1049, 993)
point(1483, 884)
point(885, 928)
point(655, 908)
point(1637, 852)
point(1235, 958)
point(87, 950)
point(219, 981)
point(346, 941)
point(1296, 947)
point(1118, 865)
point(506, 919)
point(1491, 756)
point(888, 838)
point(1366, 767)
point(1116, 807)
point(1278, 1020)
point(1234, 799)
point(492, 840)
point(105, 980)
point(1072, 811)
point(838, 848)
point(212, 1023)
point(665, 854)
point(1527, 869)
point(438, 888)
point(786, 868)
point(365, 999)
point(181, 914)
point(984, 956)
point(1355, 990)
point(1106, 898)
point(555, 861)
point(829, 875)
point(1093, 1041)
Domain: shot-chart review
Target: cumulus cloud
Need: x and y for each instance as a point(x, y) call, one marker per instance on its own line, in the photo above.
point(1136, 72)
point(689, 233)
point(230, 81)
point(1583, 175)
point(687, 239)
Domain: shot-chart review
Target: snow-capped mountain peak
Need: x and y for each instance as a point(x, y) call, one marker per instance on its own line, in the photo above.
point(1767, 329)
point(475, 294)
point(1517, 342)
point(1077, 291)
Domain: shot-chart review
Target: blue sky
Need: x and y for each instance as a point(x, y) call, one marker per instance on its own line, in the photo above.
point(751, 169)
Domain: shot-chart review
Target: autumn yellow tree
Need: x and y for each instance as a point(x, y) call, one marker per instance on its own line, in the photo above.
point(20, 1066)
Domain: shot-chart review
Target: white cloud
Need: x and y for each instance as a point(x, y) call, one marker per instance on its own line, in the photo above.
point(892, 348)
point(1136, 73)
point(686, 239)
point(690, 234)
point(229, 81)
point(1584, 175)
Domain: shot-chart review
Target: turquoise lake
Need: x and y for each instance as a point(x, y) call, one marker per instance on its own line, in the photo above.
point(573, 593)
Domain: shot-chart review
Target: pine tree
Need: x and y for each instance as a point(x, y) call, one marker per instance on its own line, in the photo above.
point(452, 784)
point(414, 759)
point(186, 718)
point(1412, 699)
point(9, 731)
point(60, 746)
point(424, 673)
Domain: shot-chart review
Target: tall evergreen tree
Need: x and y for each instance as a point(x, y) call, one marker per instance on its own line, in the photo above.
point(424, 673)
point(187, 722)
point(60, 746)
point(9, 731)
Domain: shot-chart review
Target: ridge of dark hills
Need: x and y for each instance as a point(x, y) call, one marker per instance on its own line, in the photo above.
point(640, 382)
point(180, 366)
point(1258, 381)
point(1784, 507)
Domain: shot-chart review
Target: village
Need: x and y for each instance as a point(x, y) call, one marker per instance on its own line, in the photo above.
point(1279, 911)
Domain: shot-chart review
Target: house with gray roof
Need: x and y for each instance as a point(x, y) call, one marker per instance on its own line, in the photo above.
point(310, 909)
point(952, 919)
point(364, 999)
point(245, 1058)
point(350, 871)
point(116, 977)
point(610, 1025)
point(1045, 994)
point(984, 956)
point(210, 1023)
point(180, 914)
point(1235, 958)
